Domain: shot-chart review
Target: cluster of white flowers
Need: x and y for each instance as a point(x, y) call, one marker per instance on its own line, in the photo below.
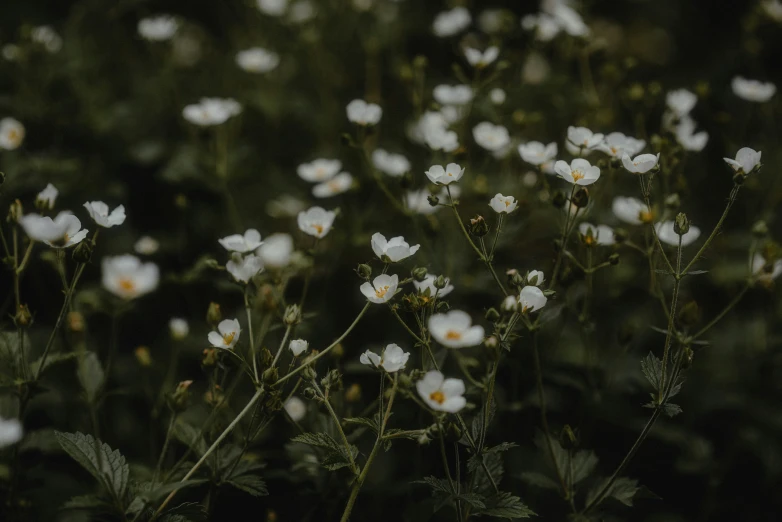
point(211, 111)
point(679, 104)
point(554, 17)
point(326, 175)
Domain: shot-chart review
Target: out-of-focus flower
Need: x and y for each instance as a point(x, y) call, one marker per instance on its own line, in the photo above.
point(583, 138)
point(454, 329)
point(503, 204)
point(178, 328)
point(600, 234)
point(298, 346)
point(363, 113)
point(11, 52)
point(441, 394)
point(535, 278)
point(566, 17)
point(393, 250)
point(480, 59)
point(243, 268)
point(257, 60)
point(285, 205)
point(773, 9)
point(631, 210)
point(382, 289)
point(11, 133)
point(158, 28)
point(46, 198)
point(211, 111)
point(444, 176)
point(46, 35)
point(301, 11)
point(61, 232)
point(316, 221)
point(536, 69)
point(390, 163)
point(535, 153)
point(640, 164)
point(392, 359)
point(497, 96)
point(668, 235)
point(432, 129)
point(753, 90)
point(227, 334)
point(531, 298)
point(272, 7)
point(146, 245)
point(680, 102)
point(242, 243)
point(11, 432)
point(579, 172)
point(758, 265)
point(418, 200)
point(295, 408)
point(99, 212)
point(688, 138)
point(127, 277)
point(491, 137)
point(276, 251)
point(545, 26)
point(453, 94)
point(449, 23)
point(337, 185)
point(319, 170)
point(428, 284)
point(746, 160)
point(617, 145)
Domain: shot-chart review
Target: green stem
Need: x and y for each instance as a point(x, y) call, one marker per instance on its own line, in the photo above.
point(250, 334)
point(731, 200)
point(722, 314)
point(671, 316)
point(164, 451)
point(338, 425)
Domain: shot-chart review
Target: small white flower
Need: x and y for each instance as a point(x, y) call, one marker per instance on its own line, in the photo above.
point(535, 278)
point(392, 250)
point(432, 129)
point(272, 7)
point(428, 284)
point(319, 170)
point(390, 163)
point(257, 60)
point(127, 277)
point(178, 328)
point(503, 204)
point(449, 23)
point(441, 394)
point(244, 268)
point(10, 432)
point(285, 206)
point(158, 28)
point(295, 408)
point(48, 37)
point(242, 243)
point(337, 185)
point(276, 251)
point(536, 69)
point(631, 210)
point(753, 90)
point(453, 94)
point(567, 18)
point(444, 176)
point(640, 164)
point(480, 59)
point(392, 359)
point(491, 137)
point(531, 298)
point(316, 221)
point(11, 133)
point(301, 11)
point(454, 329)
point(681, 102)
point(583, 138)
point(211, 111)
point(11, 52)
point(382, 289)
point(46, 198)
point(146, 245)
point(298, 346)
point(99, 212)
point(364, 113)
point(773, 9)
point(535, 153)
point(227, 334)
point(579, 172)
point(667, 235)
point(688, 138)
point(61, 232)
point(600, 234)
point(617, 145)
point(746, 160)
point(758, 264)
point(497, 96)
point(546, 27)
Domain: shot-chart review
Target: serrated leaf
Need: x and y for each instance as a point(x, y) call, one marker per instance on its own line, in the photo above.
point(190, 436)
point(108, 467)
point(187, 512)
point(91, 375)
point(651, 367)
point(494, 464)
point(623, 489)
point(51, 360)
point(505, 505)
point(583, 462)
point(337, 455)
point(364, 421)
point(504, 446)
point(671, 409)
point(252, 484)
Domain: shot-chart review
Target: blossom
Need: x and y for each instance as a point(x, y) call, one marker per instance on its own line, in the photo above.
point(211, 111)
point(640, 164)
point(298, 346)
point(301, 11)
point(454, 329)
point(506, 204)
point(10, 432)
point(497, 96)
point(364, 113)
point(11, 133)
point(631, 210)
point(583, 138)
point(61, 232)
point(393, 250)
point(257, 60)
point(337, 185)
point(758, 267)
point(579, 172)
point(382, 289)
point(127, 277)
point(617, 145)
point(600, 234)
point(566, 17)
point(453, 94)
point(492, 21)
point(480, 59)
point(227, 334)
point(531, 298)
point(535, 153)
point(178, 328)
point(535, 278)
point(432, 129)
point(272, 7)
point(316, 221)
point(444, 176)
point(418, 200)
point(46, 198)
point(546, 27)
point(428, 284)
point(319, 170)
point(688, 138)
point(680, 101)
point(276, 251)
point(441, 394)
point(242, 243)
point(449, 23)
point(536, 69)
point(46, 36)
point(244, 268)
point(491, 137)
point(295, 408)
point(392, 359)
point(390, 163)
point(746, 160)
point(158, 28)
point(99, 212)
point(753, 90)
point(667, 234)
point(772, 8)
point(146, 245)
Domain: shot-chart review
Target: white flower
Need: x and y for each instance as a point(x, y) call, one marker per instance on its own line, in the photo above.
point(631, 210)
point(127, 277)
point(276, 251)
point(146, 245)
point(688, 138)
point(211, 111)
point(453, 94)
point(393, 250)
point(772, 8)
point(535, 278)
point(428, 284)
point(579, 172)
point(454, 329)
point(392, 359)
point(364, 113)
point(61, 232)
point(319, 170)
point(243, 268)
point(491, 20)
point(640, 164)
point(567, 17)
point(546, 27)
point(10, 432)
point(681, 101)
point(390, 163)
point(178, 328)
point(418, 201)
point(257, 60)
point(500, 204)
point(666, 234)
point(441, 394)
point(273, 7)
point(99, 212)
point(617, 145)
point(48, 37)
point(497, 96)
point(432, 129)
point(242, 243)
point(46, 198)
point(758, 264)
point(531, 298)
point(480, 59)
point(382, 289)
point(600, 234)
point(11, 52)
point(491, 137)
point(11, 133)
point(536, 69)
point(535, 153)
point(449, 23)
point(295, 408)
point(158, 28)
point(227, 334)
point(444, 176)
point(583, 138)
point(753, 90)
point(337, 185)
point(298, 346)
point(746, 160)
point(316, 221)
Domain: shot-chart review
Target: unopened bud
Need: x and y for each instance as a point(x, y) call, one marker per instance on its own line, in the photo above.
point(23, 319)
point(581, 198)
point(492, 315)
point(210, 357)
point(419, 274)
point(15, 211)
point(83, 251)
point(292, 315)
point(75, 322)
point(517, 280)
point(442, 306)
point(687, 357)
point(308, 373)
point(270, 376)
point(478, 226)
point(143, 356)
point(181, 396)
point(558, 200)
point(681, 225)
point(440, 282)
point(491, 342)
point(213, 314)
point(433, 200)
point(364, 271)
point(689, 314)
point(567, 438)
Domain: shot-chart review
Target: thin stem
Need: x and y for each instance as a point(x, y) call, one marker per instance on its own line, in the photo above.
point(722, 314)
point(647, 201)
point(731, 200)
point(282, 346)
point(671, 316)
point(496, 236)
point(248, 309)
point(461, 224)
point(164, 451)
point(338, 425)
point(447, 468)
point(564, 238)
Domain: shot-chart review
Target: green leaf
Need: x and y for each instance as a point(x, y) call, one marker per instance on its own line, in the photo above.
point(190, 436)
point(623, 489)
point(91, 375)
point(252, 484)
point(505, 505)
point(539, 479)
point(364, 421)
point(187, 512)
point(337, 455)
point(671, 409)
point(494, 464)
point(697, 272)
point(52, 359)
point(92, 503)
point(106, 465)
point(583, 462)
point(651, 367)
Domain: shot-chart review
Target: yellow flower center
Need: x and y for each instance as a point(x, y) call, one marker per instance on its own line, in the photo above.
point(126, 284)
point(381, 292)
point(645, 216)
point(334, 185)
point(437, 396)
point(14, 136)
point(228, 338)
point(613, 151)
point(525, 309)
point(318, 228)
point(320, 173)
point(453, 335)
point(507, 202)
point(577, 175)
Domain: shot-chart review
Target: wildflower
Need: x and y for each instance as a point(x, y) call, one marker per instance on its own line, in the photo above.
point(531, 298)
point(667, 234)
point(61, 232)
point(535, 153)
point(390, 163)
point(99, 212)
point(449, 23)
point(316, 221)
point(393, 250)
point(503, 204)
point(432, 129)
point(11, 52)
point(453, 94)
point(146, 245)
point(295, 408)
point(617, 145)
point(418, 201)
point(753, 90)
point(301, 11)
point(158, 28)
point(536, 69)
point(227, 334)
point(211, 111)
point(392, 359)
point(640, 164)
point(631, 210)
point(127, 277)
point(680, 102)
point(480, 59)
point(11, 133)
point(428, 283)
point(46, 198)
point(276, 251)
point(10, 432)
point(178, 328)
point(535, 278)
point(491, 137)
point(746, 160)
point(337, 185)
point(546, 27)
point(444, 176)
point(319, 170)
point(600, 234)
point(48, 37)
point(688, 138)
point(272, 7)
point(382, 289)
point(579, 172)
point(583, 138)
point(441, 394)
point(454, 329)
point(243, 268)
point(364, 113)
point(298, 346)
point(759, 268)
point(773, 9)
point(242, 243)
point(257, 60)
point(497, 96)
point(567, 18)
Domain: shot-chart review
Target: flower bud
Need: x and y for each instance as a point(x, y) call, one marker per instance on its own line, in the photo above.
point(510, 304)
point(558, 200)
point(567, 438)
point(440, 282)
point(308, 374)
point(620, 235)
point(433, 200)
point(613, 259)
point(213, 314)
point(310, 393)
point(364, 271)
point(760, 229)
point(181, 396)
point(681, 225)
point(15, 211)
point(75, 322)
point(338, 352)
point(23, 319)
point(270, 376)
point(453, 433)
point(83, 251)
point(517, 280)
point(478, 226)
point(353, 393)
point(442, 306)
point(672, 201)
point(142, 356)
point(581, 198)
point(687, 357)
point(491, 342)
point(689, 314)
point(332, 380)
point(292, 315)
point(419, 274)
point(210, 357)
